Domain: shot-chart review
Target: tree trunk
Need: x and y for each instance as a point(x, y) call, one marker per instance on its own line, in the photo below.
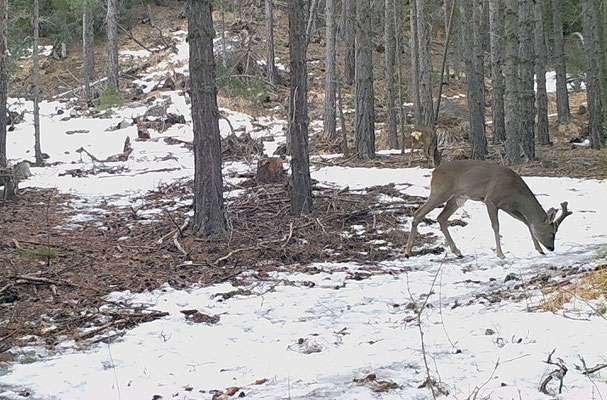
point(365, 111)
point(593, 87)
point(413, 46)
point(301, 190)
point(511, 101)
point(311, 19)
point(350, 34)
point(36, 78)
point(540, 75)
point(330, 119)
point(390, 56)
point(562, 96)
point(270, 64)
point(526, 56)
point(473, 58)
point(497, 77)
point(425, 64)
point(112, 46)
point(208, 181)
point(3, 81)
point(88, 49)
point(446, 18)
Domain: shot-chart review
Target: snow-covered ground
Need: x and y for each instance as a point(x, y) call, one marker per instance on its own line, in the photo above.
point(318, 336)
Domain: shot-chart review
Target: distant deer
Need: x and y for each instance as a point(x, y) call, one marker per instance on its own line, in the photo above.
point(499, 188)
point(426, 136)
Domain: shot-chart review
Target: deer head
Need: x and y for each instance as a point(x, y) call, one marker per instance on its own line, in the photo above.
point(426, 136)
point(545, 231)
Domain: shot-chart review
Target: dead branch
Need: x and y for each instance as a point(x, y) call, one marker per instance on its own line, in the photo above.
point(180, 233)
point(588, 371)
point(558, 373)
point(37, 279)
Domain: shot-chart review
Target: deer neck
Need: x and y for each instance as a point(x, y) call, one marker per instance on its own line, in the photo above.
point(531, 209)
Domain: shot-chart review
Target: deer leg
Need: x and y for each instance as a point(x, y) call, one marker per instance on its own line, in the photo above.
point(411, 151)
point(492, 211)
point(421, 212)
point(442, 218)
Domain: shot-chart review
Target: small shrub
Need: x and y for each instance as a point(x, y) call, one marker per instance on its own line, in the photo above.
point(251, 88)
point(109, 98)
point(43, 254)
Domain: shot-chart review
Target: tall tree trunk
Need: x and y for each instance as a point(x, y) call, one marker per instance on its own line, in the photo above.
point(270, 64)
point(602, 20)
point(413, 46)
point(562, 96)
point(526, 56)
point(3, 81)
point(36, 78)
point(349, 36)
point(208, 181)
point(365, 106)
point(88, 49)
point(390, 56)
point(511, 99)
point(112, 46)
point(540, 75)
point(446, 18)
point(330, 119)
point(497, 77)
point(311, 19)
point(593, 87)
point(425, 63)
point(473, 57)
point(301, 193)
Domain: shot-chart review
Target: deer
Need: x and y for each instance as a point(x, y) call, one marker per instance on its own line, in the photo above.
point(499, 188)
point(426, 136)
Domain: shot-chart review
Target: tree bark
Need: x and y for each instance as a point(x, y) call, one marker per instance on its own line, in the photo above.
point(425, 64)
point(270, 64)
point(365, 105)
point(593, 87)
point(540, 75)
point(390, 57)
point(497, 77)
point(511, 100)
point(36, 78)
point(350, 34)
point(526, 55)
point(330, 119)
point(413, 46)
point(473, 58)
point(301, 190)
point(562, 96)
point(3, 81)
point(88, 49)
point(208, 181)
point(112, 46)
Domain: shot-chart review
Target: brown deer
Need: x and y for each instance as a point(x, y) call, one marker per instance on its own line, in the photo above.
point(426, 136)
point(499, 188)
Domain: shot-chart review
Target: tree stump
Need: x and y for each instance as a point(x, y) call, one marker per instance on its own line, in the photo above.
point(270, 170)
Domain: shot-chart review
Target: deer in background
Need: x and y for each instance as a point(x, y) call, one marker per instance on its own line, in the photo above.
point(499, 188)
point(426, 136)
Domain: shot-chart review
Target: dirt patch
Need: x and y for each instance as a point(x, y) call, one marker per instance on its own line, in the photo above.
point(57, 269)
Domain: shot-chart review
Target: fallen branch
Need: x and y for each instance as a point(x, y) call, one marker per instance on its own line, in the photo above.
point(556, 374)
point(127, 71)
point(37, 279)
point(180, 233)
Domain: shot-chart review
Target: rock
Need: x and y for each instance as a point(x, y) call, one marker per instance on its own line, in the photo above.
point(143, 133)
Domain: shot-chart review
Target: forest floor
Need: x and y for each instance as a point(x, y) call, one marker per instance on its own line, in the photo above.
point(67, 245)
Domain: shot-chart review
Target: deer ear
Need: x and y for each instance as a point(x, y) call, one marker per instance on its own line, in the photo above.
point(551, 214)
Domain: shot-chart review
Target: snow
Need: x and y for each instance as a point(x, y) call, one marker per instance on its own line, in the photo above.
point(309, 336)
